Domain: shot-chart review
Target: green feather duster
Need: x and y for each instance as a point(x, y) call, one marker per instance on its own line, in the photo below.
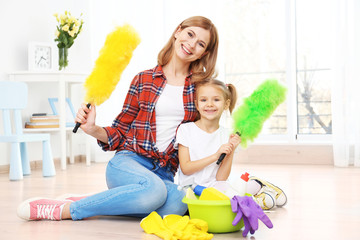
point(256, 109)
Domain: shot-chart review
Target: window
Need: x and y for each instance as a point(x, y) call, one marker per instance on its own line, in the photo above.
point(279, 39)
point(313, 46)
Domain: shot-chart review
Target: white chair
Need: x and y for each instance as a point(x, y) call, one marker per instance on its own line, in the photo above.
point(13, 98)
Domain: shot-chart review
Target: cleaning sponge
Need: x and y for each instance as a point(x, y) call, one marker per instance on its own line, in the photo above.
point(212, 194)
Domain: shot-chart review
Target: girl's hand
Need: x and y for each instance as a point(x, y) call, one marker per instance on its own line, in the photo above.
point(234, 140)
point(226, 148)
point(86, 117)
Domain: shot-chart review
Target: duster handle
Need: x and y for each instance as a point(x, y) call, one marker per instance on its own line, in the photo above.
point(222, 156)
point(78, 124)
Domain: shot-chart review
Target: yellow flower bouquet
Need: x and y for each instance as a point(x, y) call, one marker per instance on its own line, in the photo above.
point(67, 30)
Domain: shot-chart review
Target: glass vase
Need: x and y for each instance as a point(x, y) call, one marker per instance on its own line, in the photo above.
point(63, 58)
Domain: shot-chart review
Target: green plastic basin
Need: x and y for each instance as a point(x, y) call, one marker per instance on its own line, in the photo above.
point(217, 213)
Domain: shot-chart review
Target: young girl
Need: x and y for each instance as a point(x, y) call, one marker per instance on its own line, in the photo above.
point(201, 143)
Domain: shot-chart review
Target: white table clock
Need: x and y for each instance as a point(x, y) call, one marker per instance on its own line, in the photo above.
point(41, 56)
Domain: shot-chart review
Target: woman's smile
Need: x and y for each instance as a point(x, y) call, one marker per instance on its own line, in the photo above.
point(187, 51)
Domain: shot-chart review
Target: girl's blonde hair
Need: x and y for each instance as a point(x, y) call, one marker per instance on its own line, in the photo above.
point(204, 67)
point(228, 90)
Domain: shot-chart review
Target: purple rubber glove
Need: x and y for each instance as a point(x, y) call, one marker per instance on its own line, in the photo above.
point(236, 209)
point(250, 211)
point(247, 227)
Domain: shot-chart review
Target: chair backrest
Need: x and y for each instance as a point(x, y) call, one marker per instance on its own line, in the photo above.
point(13, 97)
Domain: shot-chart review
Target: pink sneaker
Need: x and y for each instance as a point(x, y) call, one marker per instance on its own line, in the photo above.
point(41, 208)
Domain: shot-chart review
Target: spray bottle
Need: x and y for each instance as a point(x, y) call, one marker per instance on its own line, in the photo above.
point(237, 186)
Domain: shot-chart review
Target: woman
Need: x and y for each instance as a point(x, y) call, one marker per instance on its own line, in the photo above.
point(140, 176)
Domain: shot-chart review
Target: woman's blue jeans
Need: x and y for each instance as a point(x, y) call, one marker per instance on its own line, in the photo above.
point(136, 188)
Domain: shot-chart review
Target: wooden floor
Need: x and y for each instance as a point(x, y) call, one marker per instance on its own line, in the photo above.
point(323, 203)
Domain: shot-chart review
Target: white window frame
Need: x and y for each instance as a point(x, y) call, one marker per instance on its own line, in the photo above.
point(292, 137)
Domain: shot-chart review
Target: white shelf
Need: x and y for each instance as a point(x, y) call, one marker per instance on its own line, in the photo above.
point(63, 80)
point(50, 76)
point(34, 130)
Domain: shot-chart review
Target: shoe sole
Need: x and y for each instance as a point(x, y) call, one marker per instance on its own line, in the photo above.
point(266, 207)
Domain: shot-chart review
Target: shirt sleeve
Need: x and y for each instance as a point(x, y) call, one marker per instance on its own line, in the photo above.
point(181, 137)
point(123, 121)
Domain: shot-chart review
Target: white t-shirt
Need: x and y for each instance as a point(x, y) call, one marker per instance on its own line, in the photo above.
point(169, 112)
point(201, 144)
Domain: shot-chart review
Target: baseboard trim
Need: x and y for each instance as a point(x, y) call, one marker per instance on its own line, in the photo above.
point(286, 154)
point(256, 154)
point(37, 164)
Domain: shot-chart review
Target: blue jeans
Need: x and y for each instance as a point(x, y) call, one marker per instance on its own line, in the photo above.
point(136, 188)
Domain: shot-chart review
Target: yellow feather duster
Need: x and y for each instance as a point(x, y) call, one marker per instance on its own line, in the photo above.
point(113, 59)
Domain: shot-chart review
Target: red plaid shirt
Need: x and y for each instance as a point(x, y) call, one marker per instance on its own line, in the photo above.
point(134, 128)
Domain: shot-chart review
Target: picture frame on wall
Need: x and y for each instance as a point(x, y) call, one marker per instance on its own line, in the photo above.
point(70, 112)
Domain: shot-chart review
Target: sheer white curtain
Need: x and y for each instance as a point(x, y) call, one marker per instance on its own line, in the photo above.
point(346, 84)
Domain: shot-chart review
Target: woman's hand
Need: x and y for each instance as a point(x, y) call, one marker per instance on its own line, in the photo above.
point(86, 117)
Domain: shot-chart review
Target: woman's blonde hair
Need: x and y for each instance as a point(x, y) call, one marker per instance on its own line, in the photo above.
point(204, 67)
point(228, 90)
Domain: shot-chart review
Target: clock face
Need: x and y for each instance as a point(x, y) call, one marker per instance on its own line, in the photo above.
point(42, 57)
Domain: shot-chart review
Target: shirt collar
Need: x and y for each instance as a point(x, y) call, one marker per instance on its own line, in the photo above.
point(158, 71)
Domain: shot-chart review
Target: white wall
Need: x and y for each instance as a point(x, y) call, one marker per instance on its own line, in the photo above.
point(24, 21)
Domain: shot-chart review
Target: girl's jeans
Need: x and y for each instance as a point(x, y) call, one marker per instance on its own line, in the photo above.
point(136, 188)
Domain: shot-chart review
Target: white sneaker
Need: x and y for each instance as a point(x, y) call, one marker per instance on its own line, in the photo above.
point(265, 200)
point(279, 195)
